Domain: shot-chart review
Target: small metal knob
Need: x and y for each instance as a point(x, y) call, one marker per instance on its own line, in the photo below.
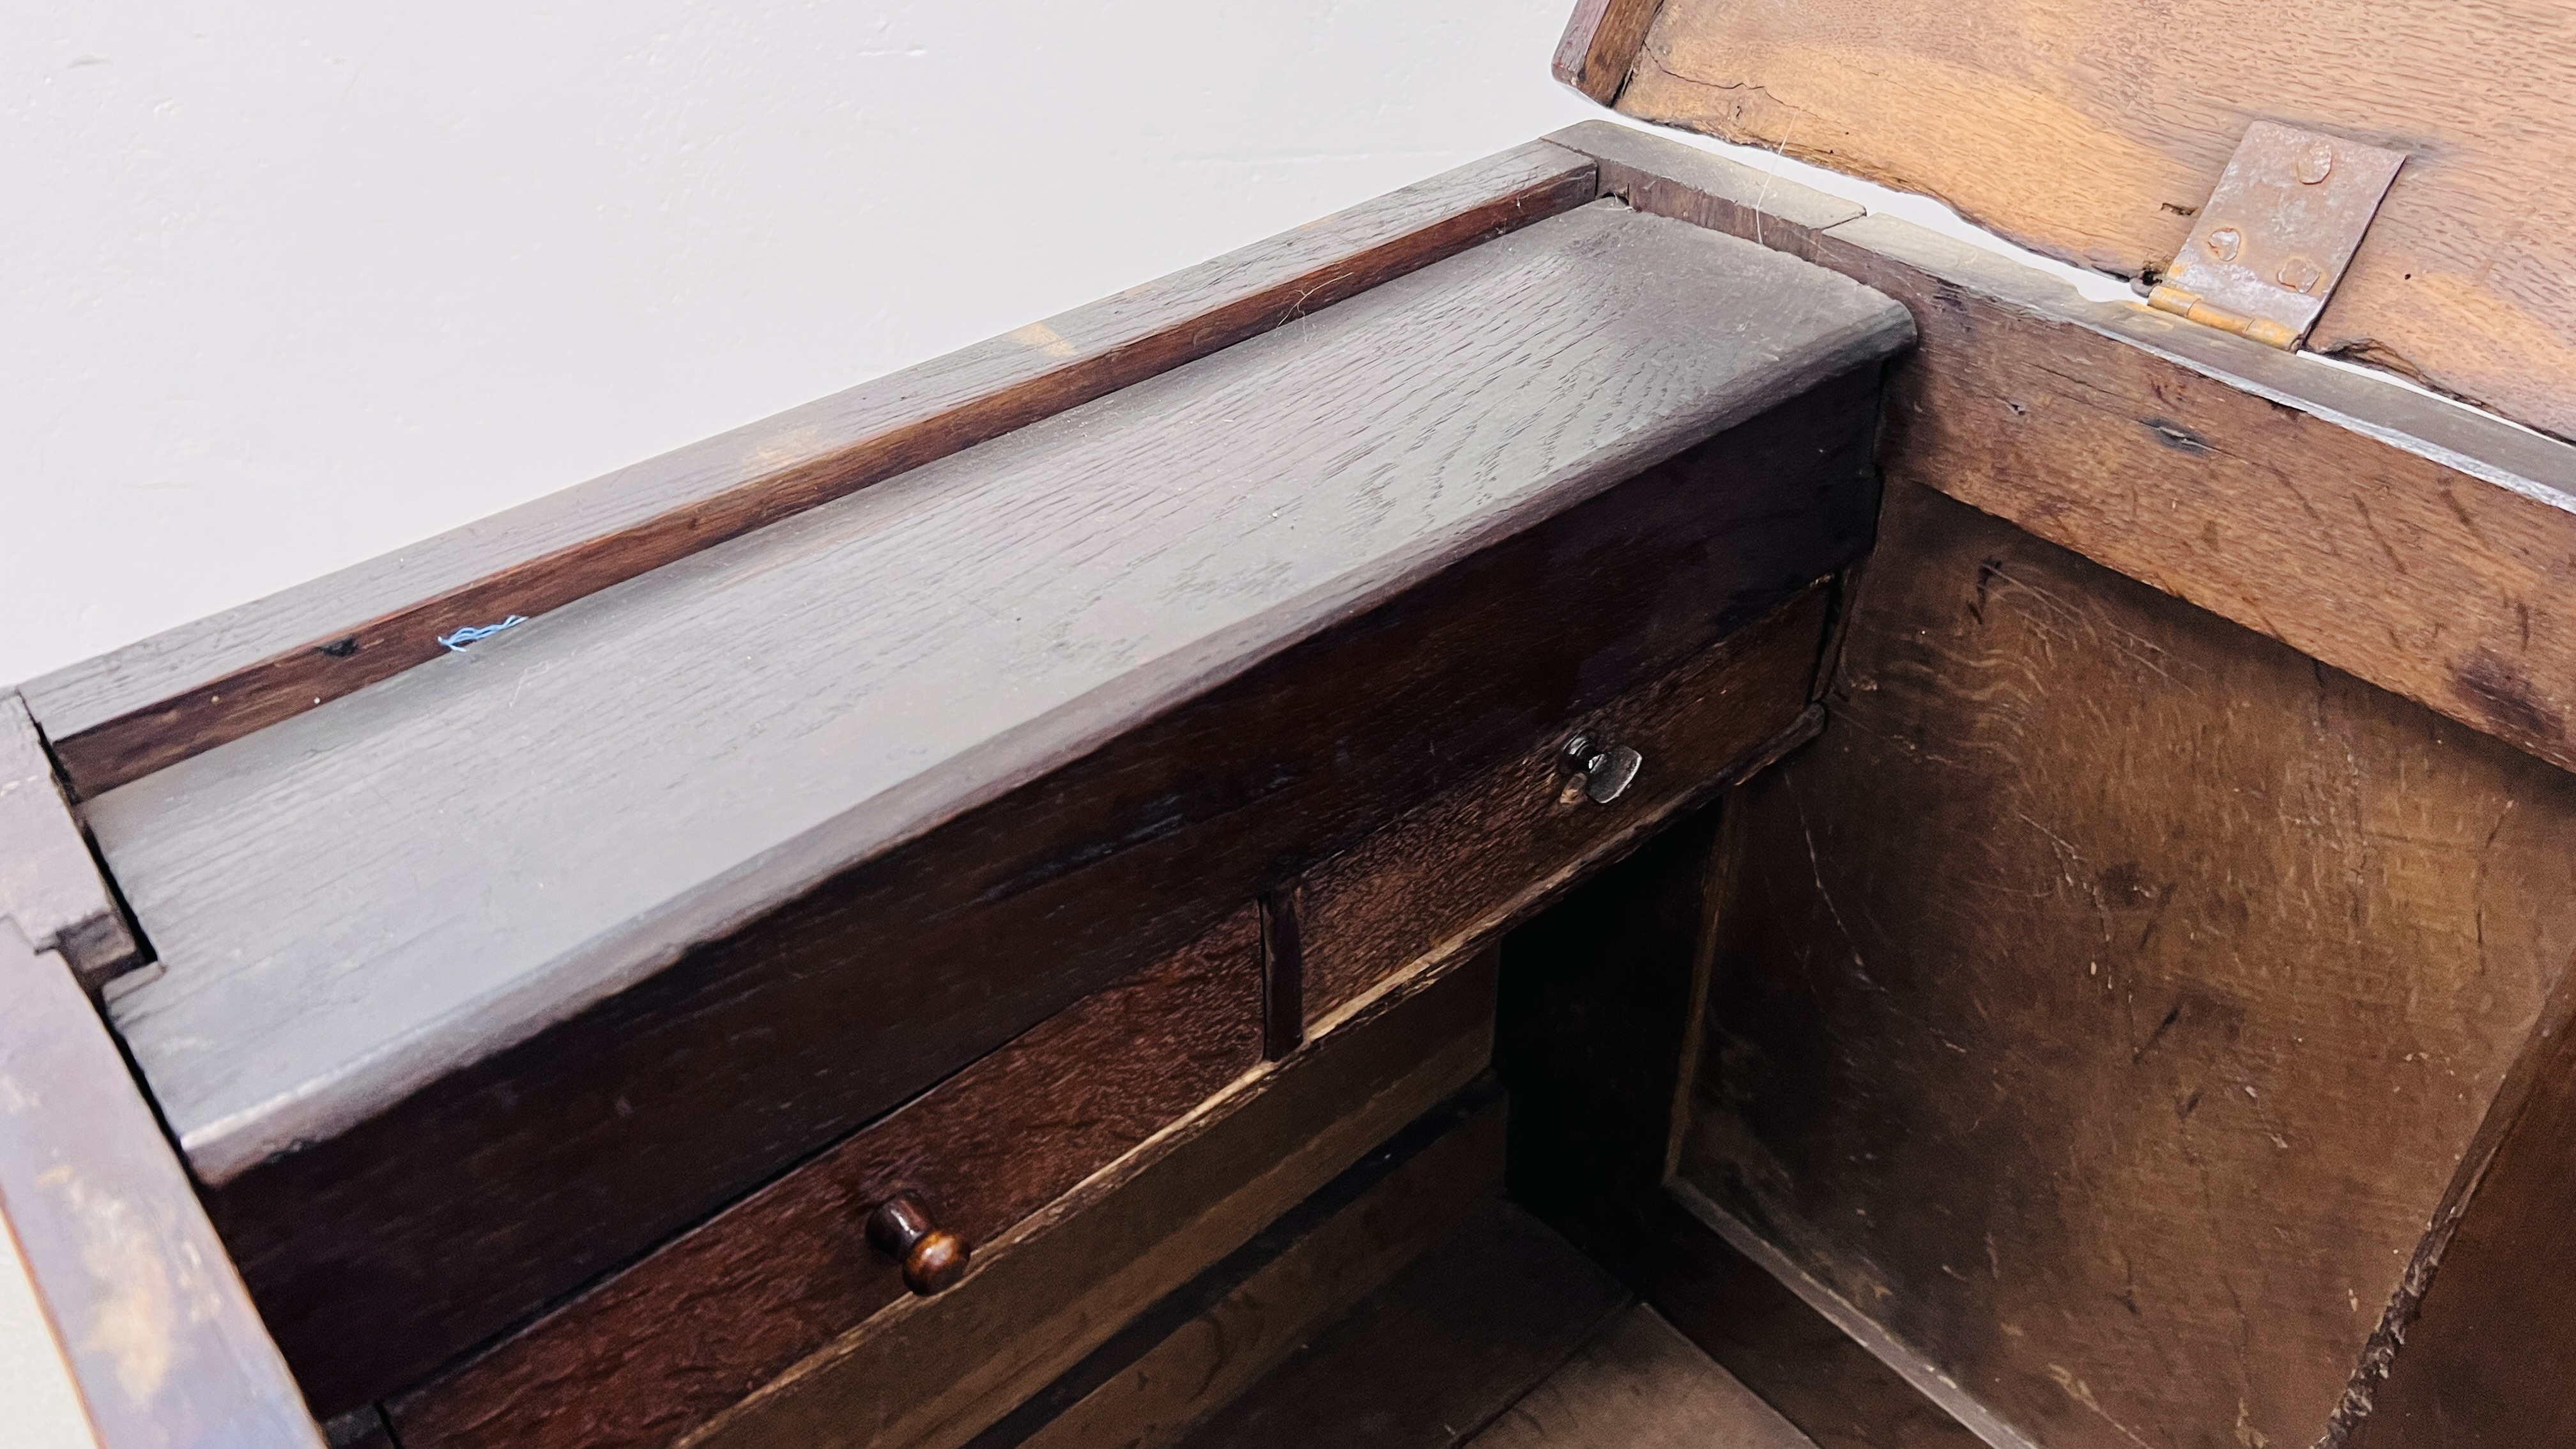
point(1607, 770)
point(933, 1259)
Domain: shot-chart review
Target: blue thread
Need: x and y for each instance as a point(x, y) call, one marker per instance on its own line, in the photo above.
point(457, 641)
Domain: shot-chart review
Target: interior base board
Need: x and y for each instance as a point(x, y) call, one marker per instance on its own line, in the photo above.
point(1940, 1388)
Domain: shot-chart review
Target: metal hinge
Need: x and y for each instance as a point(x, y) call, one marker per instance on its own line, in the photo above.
point(2278, 232)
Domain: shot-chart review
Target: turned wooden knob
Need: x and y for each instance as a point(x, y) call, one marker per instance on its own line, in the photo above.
point(933, 1259)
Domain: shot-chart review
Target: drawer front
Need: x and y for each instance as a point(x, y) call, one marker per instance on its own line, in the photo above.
point(1496, 844)
point(383, 1253)
point(728, 1305)
point(781, 1279)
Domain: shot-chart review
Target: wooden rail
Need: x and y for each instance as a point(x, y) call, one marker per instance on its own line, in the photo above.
point(151, 704)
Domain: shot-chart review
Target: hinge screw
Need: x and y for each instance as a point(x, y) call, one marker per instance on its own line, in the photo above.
point(2316, 162)
point(2224, 242)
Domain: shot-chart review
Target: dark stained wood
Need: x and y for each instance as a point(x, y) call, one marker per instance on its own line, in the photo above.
point(1192, 1353)
point(2398, 538)
point(505, 1175)
point(1283, 976)
point(2096, 134)
point(1590, 1031)
point(49, 883)
point(1466, 860)
point(1446, 1346)
point(1601, 41)
point(1758, 1329)
point(1666, 178)
point(729, 1305)
point(931, 1373)
point(189, 689)
point(138, 709)
point(1593, 1036)
point(362, 1428)
point(147, 1311)
point(2482, 1361)
point(1640, 1385)
point(2102, 1002)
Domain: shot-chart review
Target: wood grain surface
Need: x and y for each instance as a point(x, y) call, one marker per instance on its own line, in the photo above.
point(124, 714)
point(2477, 1361)
point(2405, 540)
point(1593, 1035)
point(2094, 133)
point(1640, 1385)
point(1758, 1328)
point(1209, 1341)
point(729, 1305)
point(1475, 850)
point(1410, 572)
point(2103, 1002)
point(932, 1373)
point(161, 1339)
point(49, 883)
point(1436, 1354)
point(1601, 41)
point(1666, 178)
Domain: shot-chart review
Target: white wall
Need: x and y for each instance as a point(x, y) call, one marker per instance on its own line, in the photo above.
point(285, 283)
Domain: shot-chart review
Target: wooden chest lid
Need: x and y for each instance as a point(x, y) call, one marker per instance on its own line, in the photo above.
point(2094, 132)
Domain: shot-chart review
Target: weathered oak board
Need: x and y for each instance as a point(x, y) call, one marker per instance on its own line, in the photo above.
point(729, 1305)
point(834, 771)
point(137, 709)
point(1440, 1351)
point(149, 1316)
point(1640, 1385)
point(1601, 41)
point(49, 884)
point(1758, 1328)
point(2093, 131)
point(1205, 1343)
point(2104, 1001)
point(1592, 1036)
point(932, 1373)
point(2483, 1362)
point(2408, 541)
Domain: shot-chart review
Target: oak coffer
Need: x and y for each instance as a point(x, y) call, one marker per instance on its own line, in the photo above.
point(1604, 800)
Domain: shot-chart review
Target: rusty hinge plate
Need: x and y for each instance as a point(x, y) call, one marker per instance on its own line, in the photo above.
point(2276, 235)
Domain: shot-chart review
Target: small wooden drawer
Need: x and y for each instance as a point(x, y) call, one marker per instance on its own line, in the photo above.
point(768, 842)
point(730, 1304)
point(1470, 857)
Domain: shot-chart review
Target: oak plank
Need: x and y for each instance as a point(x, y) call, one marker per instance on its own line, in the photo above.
point(1640, 1385)
point(729, 1305)
point(1601, 41)
point(360, 1428)
point(2094, 135)
point(2467, 1356)
point(931, 1373)
point(160, 1336)
point(1113, 674)
point(1598, 1027)
point(1758, 1328)
point(140, 708)
point(49, 883)
point(1435, 1355)
point(2402, 539)
point(1209, 1341)
point(1667, 178)
point(2102, 1002)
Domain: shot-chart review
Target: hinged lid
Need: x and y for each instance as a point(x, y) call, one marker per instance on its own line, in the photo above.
point(2094, 132)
